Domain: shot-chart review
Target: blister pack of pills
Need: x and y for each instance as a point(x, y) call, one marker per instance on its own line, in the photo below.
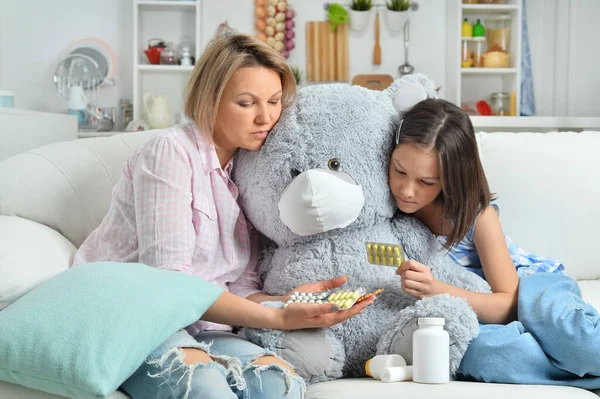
point(383, 254)
point(345, 299)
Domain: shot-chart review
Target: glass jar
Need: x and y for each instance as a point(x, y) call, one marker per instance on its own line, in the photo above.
point(478, 48)
point(466, 59)
point(168, 56)
point(497, 33)
point(500, 103)
point(186, 51)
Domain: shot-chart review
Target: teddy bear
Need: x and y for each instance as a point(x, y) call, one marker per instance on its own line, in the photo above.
point(317, 192)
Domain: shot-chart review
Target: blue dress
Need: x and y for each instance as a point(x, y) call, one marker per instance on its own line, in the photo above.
point(465, 254)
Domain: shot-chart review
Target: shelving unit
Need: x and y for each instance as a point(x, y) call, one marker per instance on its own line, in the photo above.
point(169, 20)
point(469, 85)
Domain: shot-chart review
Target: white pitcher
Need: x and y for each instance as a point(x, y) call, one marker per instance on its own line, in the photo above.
point(158, 113)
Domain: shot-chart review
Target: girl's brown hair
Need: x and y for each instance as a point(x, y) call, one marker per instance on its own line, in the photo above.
point(441, 125)
point(223, 56)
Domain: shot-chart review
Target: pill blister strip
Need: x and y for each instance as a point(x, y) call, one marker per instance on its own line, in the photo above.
point(345, 299)
point(383, 254)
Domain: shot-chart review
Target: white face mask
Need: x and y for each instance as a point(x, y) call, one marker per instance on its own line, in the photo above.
point(320, 200)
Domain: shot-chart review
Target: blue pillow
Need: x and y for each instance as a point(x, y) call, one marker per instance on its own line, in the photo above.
point(85, 331)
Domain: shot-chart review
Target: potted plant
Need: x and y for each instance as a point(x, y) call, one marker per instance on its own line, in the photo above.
point(396, 14)
point(297, 74)
point(359, 14)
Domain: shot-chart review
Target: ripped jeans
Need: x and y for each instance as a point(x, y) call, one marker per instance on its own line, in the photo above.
point(164, 374)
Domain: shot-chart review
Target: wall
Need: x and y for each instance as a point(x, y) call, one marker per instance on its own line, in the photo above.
point(562, 35)
point(30, 42)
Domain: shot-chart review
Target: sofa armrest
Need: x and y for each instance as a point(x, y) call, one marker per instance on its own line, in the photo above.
point(30, 253)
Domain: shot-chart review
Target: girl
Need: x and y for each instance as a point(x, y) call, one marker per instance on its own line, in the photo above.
point(175, 207)
point(436, 175)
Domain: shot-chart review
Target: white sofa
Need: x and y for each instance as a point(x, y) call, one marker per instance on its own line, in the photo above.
point(548, 186)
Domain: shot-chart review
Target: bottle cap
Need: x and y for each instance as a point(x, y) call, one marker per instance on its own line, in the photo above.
point(368, 367)
point(431, 321)
point(394, 374)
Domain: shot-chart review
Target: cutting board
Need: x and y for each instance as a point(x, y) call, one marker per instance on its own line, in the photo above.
point(373, 82)
point(326, 52)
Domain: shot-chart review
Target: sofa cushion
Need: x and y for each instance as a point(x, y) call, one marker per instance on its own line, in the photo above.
point(30, 253)
point(373, 389)
point(547, 193)
point(591, 292)
point(13, 391)
point(85, 331)
point(67, 186)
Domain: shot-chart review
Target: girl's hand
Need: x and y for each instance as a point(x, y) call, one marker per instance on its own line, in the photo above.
point(417, 279)
point(304, 315)
point(319, 286)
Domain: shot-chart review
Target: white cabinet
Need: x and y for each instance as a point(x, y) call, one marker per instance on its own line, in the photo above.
point(169, 20)
point(469, 85)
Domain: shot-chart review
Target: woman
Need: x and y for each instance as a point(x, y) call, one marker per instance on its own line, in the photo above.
point(175, 208)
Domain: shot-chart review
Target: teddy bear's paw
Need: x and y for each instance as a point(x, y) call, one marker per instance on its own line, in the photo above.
point(398, 339)
point(460, 323)
point(316, 354)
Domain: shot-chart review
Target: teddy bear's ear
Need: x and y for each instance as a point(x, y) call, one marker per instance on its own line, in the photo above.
point(409, 90)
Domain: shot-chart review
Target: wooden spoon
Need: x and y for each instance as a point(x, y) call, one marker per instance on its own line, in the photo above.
point(377, 49)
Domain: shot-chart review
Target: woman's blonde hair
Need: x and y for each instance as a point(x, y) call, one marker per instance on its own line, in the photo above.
point(223, 56)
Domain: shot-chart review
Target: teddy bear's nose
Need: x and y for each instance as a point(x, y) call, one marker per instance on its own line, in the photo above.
point(319, 200)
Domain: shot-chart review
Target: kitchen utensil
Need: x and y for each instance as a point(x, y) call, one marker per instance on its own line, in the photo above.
point(377, 49)
point(157, 110)
point(406, 68)
point(373, 82)
point(326, 52)
point(154, 50)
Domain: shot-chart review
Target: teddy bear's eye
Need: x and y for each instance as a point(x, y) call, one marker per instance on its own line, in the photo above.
point(334, 164)
point(295, 172)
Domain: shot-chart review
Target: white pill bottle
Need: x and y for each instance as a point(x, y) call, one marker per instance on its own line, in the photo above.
point(431, 351)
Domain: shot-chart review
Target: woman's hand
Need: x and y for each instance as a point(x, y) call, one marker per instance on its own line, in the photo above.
point(304, 315)
point(320, 286)
point(417, 280)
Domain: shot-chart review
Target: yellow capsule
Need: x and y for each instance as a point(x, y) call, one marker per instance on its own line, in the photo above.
point(375, 249)
point(397, 251)
point(377, 261)
point(370, 258)
point(389, 251)
point(330, 297)
point(383, 263)
point(382, 247)
point(398, 262)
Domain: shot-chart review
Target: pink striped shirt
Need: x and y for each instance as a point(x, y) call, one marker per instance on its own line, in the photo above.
point(175, 208)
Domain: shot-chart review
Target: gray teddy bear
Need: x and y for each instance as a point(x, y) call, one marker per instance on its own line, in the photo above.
point(317, 192)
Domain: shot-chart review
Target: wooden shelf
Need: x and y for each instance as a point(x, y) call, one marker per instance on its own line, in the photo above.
point(163, 3)
point(164, 68)
point(489, 8)
point(488, 71)
point(548, 122)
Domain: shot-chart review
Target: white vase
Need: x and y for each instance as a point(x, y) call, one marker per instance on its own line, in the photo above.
point(157, 110)
point(359, 19)
point(394, 20)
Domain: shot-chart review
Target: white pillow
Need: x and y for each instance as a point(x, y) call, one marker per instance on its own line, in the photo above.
point(30, 253)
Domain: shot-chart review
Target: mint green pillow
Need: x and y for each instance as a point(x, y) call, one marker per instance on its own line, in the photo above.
point(85, 331)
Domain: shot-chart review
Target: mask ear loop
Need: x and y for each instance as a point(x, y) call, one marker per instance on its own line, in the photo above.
point(398, 132)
